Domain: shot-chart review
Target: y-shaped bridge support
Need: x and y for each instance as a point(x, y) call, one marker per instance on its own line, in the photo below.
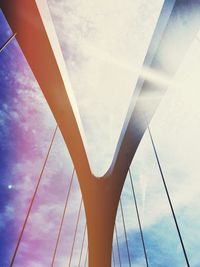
point(176, 28)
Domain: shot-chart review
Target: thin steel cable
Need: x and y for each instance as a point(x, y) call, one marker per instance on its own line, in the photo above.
point(83, 241)
point(86, 257)
point(120, 264)
point(113, 255)
point(125, 232)
point(63, 217)
point(168, 197)
point(33, 198)
point(139, 221)
point(75, 233)
point(7, 42)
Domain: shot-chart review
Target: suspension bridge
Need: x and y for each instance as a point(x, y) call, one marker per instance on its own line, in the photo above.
point(101, 197)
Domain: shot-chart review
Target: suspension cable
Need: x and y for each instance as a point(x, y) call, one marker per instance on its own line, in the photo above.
point(113, 256)
point(138, 217)
point(83, 241)
point(33, 198)
point(75, 233)
point(7, 42)
point(120, 264)
point(125, 232)
point(63, 217)
point(86, 257)
point(168, 196)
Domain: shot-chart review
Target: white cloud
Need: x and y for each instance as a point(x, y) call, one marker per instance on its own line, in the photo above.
point(81, 29)
point(99, 31)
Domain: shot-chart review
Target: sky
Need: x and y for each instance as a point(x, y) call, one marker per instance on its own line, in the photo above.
point(104, 44)
point(97, 40)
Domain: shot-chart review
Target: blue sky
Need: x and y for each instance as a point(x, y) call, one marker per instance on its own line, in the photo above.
point(27, 126)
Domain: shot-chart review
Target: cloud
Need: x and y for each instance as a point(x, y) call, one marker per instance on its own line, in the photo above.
point(174, 127)
point(97, 32)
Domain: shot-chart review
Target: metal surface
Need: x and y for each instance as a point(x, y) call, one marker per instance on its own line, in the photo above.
point(101, 196)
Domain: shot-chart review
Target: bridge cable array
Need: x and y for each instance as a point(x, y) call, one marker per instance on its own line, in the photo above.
point(119, 256)
point(125, 233)
point(168, 197)
point(86, 258)
point(7, 42)
point(138, 218)
point(62, 219)
point(82, 246)
point(78, 218)
point(113, 256)
point(75, 233)
point(33, 198)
